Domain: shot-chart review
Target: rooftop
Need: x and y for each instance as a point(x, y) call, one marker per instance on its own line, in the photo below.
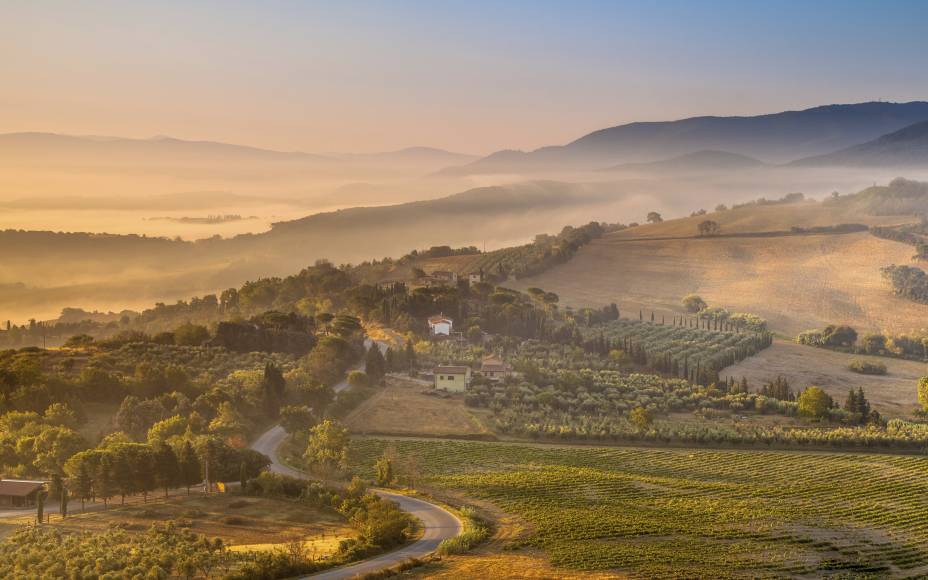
point(451, 370)
point(18, 487)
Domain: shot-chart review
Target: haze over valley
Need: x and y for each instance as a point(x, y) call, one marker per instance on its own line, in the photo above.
point(358, 290)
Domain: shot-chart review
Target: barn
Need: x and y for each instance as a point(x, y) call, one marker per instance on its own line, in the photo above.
point(19, 493)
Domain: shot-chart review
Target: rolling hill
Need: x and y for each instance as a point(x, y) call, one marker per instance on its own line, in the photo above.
point(773, 138)
point(906, 147)
point(59, 269)
point(796, 281)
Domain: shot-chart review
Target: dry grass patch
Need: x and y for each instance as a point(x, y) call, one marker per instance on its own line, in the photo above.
point(255, 524)
point(405, 407)
point(893, 394)
point(795, 282)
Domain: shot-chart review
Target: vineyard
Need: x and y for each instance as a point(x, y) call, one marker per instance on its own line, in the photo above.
point(693, 513)
point(696, 354)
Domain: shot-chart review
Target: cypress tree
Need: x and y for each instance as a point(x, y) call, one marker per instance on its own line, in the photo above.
point(167, 467)
point(63, 506)
point(103, 483)
point(83, 483)
point(190, 468)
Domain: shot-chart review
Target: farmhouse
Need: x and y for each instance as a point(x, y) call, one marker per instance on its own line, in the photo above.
point(475, 277)
point(452, 378)
point(495, 368)
point(440, 325)
point(445, 276)
point(19, 493)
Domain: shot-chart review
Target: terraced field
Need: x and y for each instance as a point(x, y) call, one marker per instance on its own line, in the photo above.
point(693, 513)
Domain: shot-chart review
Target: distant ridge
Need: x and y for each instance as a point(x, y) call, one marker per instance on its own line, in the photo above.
point(906, 147)
point(772, 138)
point(697, 161)
point(50, 146)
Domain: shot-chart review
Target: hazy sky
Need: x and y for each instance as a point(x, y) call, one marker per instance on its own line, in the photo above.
point(468, 76)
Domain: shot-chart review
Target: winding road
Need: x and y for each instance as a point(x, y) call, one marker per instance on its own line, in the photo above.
point(438, 523)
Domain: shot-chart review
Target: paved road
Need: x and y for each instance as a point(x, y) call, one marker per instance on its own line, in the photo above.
point(438, 524)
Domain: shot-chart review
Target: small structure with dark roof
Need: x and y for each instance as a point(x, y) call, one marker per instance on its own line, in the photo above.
point(19, 493)
point(493, 367)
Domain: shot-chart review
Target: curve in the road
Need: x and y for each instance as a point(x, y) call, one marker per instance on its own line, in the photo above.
point(438, 523)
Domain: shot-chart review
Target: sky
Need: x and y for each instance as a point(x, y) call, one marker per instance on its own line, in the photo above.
point(469, 76)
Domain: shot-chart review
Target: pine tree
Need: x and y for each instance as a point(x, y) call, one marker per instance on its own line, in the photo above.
point(190, 468)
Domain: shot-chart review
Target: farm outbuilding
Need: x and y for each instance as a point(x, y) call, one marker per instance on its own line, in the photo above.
point(440, 325)
point(19, 493)
point(452, 378)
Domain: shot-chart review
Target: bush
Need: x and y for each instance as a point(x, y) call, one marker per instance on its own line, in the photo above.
point(866, 367)
point(476, 531)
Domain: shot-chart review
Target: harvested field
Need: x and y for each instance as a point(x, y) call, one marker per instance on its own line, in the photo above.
point(892, 394)
point(795, 282)
point(406, 407)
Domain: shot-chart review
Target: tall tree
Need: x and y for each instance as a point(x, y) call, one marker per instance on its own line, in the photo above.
point(167, 467)
point(190, 468)
point(374, 364)
point(145, 472)
point(103, 479)
point(411, 364)
point(83, 483)
point(63, 505)
point(122, 476)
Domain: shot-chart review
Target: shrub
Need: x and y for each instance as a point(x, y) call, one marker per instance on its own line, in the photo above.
point(866, 367)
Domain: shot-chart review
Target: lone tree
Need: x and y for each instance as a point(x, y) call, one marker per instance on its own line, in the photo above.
point(694, 303)
point(327, 449)
point(654, 217)
point(709, 228)
point(814, 402)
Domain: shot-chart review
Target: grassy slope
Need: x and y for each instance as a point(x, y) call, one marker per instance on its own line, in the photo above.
point(892, 394)
point(403, 407)
point(692, 513)
point(796, 282)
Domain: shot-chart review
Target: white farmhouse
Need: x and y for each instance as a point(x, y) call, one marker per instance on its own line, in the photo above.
point(440, 325)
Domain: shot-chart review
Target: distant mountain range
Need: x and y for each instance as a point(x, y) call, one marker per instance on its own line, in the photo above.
point(697, 161)
point(906, 147)
point(54, 149)
point(773, 138)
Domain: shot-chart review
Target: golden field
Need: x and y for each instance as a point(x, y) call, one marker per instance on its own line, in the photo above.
point(795, 282)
